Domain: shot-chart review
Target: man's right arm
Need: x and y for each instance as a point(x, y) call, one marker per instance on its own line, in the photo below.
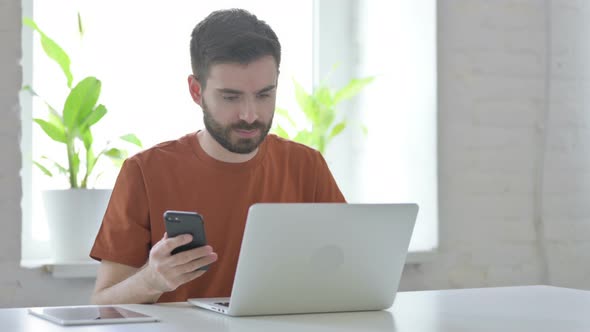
point(118, 283)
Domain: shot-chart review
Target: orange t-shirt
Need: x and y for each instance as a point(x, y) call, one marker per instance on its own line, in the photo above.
point(179, 175)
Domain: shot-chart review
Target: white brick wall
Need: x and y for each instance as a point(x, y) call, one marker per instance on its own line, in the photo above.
point(492, 96)
point(493, 60)
point(567, 164)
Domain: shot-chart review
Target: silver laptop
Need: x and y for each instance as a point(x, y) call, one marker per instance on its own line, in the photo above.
point(318, 257)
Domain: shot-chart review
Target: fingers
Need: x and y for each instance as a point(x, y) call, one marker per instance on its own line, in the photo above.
point(177, 241)
point(192, 268)
point(197, 263)
point(170, 271)
point(165, 246)
point(190, 255)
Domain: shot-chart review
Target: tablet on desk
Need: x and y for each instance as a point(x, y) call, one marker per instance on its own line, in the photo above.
point(91, 315)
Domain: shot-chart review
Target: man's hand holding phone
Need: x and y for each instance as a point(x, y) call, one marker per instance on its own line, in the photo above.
point(167, 272)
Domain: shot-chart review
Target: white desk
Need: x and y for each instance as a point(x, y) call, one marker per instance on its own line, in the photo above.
point(528, 308)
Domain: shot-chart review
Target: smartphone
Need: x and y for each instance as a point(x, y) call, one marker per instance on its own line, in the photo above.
point(184, 222)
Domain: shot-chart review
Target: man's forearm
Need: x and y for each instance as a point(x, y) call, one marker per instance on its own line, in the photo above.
point(134, 289)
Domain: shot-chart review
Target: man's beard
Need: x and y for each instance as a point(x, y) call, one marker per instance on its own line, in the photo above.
point(223, 134)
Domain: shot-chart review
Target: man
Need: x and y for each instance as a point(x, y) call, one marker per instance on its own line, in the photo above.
point(218, 172)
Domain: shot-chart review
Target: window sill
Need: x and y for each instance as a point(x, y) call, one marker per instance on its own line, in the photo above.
point(75, 269)
point(89, 269)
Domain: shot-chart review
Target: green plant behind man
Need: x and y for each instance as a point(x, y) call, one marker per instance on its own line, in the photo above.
point(80, 111)
point(321, 113)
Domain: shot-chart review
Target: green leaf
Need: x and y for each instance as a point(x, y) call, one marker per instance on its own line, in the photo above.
point(76, 161)
point(328, 76)
point(326, 117)
point(87, 138)
point(117, 156)
point(90, 163)
point(43, 169)
point(117, 162)
point(80, 26)
point(91, 160)
point(323, 96)
point(131, 138)
point(326, 111)
point(306, 102)
point(321, 145)
point(365, 130)
point(352, 89)
point(30, 90)
point(53, 50)
point(281, 132)
point(75, 166)
point(54, 132)
point(56, 119)
point(116, 153)
point(100, 174)
point(94, 116)
point(81, 102)
point(303, 137)
point(337, 129)
point(285, 114)
point(60, 168)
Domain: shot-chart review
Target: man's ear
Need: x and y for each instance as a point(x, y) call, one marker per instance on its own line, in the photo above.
point(195, 89)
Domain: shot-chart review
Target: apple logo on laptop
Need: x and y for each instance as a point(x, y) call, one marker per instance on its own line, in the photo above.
point(327, 258)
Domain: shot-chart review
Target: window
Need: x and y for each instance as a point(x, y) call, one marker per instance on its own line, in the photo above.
point(398, 161)
point(141, 57)
point(394, 41)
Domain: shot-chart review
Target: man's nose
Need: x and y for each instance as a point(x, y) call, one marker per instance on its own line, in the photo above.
point(248, 112)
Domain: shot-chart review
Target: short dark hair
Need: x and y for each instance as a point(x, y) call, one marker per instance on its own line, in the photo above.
point(231, 36)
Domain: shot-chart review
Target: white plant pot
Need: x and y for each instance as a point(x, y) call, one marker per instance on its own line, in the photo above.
point(73, 218)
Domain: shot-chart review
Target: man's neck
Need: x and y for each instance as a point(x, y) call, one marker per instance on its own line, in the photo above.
point(218, 152)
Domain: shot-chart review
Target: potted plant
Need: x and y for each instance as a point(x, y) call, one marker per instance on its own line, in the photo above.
point(74, 214)
point(319, 108)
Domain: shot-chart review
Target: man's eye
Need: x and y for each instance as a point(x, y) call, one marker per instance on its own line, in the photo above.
point(230, 98)
point(263, 95)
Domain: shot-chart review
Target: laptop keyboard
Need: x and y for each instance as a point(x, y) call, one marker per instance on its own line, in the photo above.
point(225, 304)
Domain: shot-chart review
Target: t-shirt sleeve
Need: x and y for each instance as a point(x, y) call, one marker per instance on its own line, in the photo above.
point(326, 189)
point(124, 235)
